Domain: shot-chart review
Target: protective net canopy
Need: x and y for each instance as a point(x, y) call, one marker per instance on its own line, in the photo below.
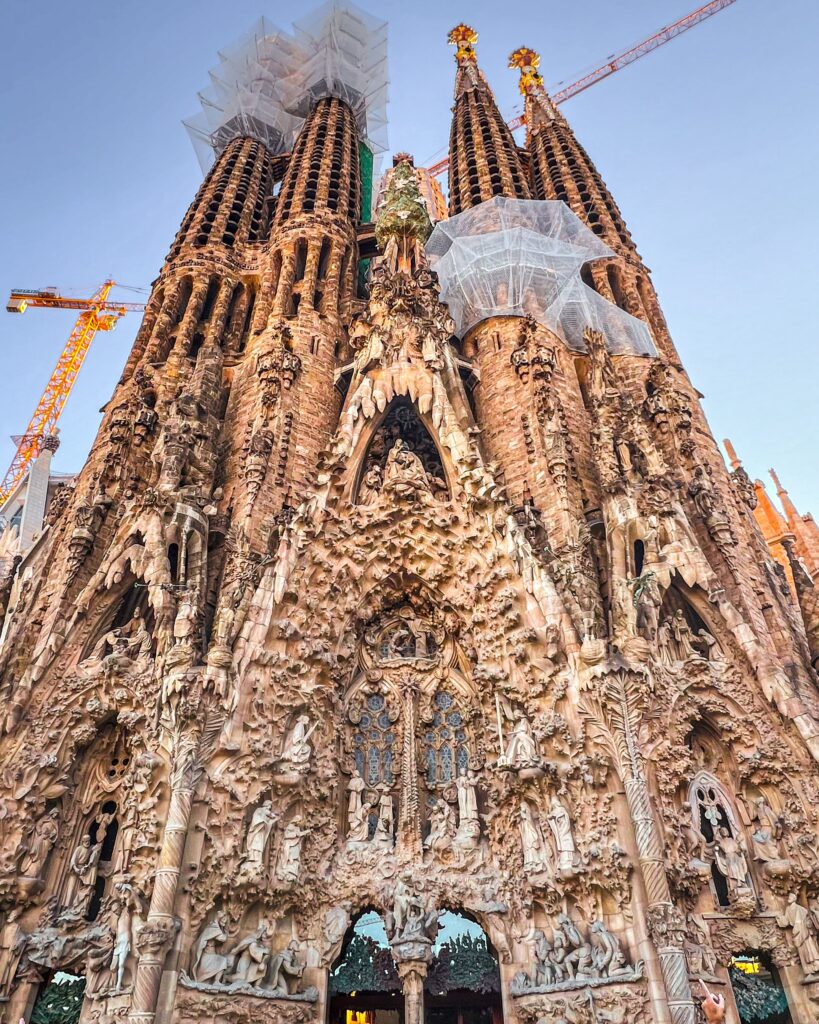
point(266, 83)
point(513, 257)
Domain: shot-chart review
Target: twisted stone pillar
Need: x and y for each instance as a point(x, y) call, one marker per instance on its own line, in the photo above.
point(622, 693)
point(159, 931)
point(412, 975)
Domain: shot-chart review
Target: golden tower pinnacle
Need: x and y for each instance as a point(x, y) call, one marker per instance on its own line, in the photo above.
point(464, 38)
point(526, 61)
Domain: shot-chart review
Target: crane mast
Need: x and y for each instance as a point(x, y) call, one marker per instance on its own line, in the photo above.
point(618, 62)
point(97, 314)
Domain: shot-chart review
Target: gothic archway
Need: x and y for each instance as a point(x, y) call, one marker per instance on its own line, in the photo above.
point(463, 983)
point(364, 984)
point(401, 422)
point(758, 992)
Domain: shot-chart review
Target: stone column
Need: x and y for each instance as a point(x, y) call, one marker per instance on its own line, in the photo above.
point(409, 818)
point(156, 937)
point(622, 696)
point(412, 974)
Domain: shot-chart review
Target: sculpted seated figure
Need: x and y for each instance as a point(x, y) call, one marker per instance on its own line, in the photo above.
point(404, 474)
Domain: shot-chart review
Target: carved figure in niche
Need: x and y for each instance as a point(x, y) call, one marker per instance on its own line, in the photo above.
point(469, 825)
point(358, 824)
point(602, 376)
point(355, 788)
point(186, 623)
point(39, 844)
point(370, 490)
point(121, 647)
point(535, 852)
point(82, 874)
point(545, 973)
point(798, 918)
point(297, 749)
point(251, 956)
point(561, 825)
point(647, 601)
point(767, 829)
point(702, 494)
point(208, 966)
point(409, 919)
point(442, 826)
point(258, 834)
point(578, 958)
point(695, 841)
point(404, 474)
point(284, 966)
point(521, 749)
point(608, 958)
point(701, 959)
point(129, 919)
point(386, 821)
point(12, 944)
point(288, 864)
point(730, 859)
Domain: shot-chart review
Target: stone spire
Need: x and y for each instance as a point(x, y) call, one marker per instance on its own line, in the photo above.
point(562, 169)
point(803, 528)
point(483, 158)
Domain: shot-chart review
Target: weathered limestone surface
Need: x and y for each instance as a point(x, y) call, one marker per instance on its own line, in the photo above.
point(345, 612)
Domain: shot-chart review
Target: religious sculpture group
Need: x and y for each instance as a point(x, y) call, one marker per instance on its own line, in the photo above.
point(350, 614)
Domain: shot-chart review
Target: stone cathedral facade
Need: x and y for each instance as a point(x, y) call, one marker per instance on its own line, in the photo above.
point(405, 581)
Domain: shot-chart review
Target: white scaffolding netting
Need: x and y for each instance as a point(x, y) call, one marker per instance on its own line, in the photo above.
point(267, 82)
point(513, 257)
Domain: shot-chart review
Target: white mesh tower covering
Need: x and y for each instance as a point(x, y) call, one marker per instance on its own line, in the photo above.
point(512, 257)
point(267, 82)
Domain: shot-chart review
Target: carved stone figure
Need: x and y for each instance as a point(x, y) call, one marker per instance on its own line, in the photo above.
point(83, 874)
point(702, 962)
point(288, 863)
point(442, 826)
point(258, 834)
point(285, 969)
point(730, 859)
point(297, 749)
point(129, 919)
point(39, 844)
point(521, 748)
point(207, 964)
point(251, 956)
point(535, 852)
point(370, 490)
point(358, 823)
point(355, 788)
point(561, 826)
point(804, 932)
point(404, 474)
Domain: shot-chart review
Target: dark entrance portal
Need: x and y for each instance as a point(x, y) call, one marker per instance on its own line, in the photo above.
point(758, 991)
point(462, 984)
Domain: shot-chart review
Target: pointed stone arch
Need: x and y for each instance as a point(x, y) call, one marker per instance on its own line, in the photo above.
point(401, 419)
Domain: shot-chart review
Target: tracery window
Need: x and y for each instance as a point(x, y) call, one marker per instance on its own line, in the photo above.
point(713, 816)
point(445, 745)
point(374, 741)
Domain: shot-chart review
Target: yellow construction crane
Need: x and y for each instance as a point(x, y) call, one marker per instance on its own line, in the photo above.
point(96, 314)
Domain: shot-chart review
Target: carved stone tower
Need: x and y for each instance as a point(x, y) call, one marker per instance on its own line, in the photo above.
point(405, 646)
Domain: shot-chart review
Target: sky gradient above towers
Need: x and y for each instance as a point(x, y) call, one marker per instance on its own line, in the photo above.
point(705, 145)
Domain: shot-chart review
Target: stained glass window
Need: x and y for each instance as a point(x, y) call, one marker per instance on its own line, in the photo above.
point(445, 746)
point(374, 742)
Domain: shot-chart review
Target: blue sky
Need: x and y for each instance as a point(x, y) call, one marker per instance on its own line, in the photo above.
point(709, 145)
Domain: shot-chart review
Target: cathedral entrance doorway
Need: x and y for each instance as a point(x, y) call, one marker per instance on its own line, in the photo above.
point(758, 992)
point(462, 985)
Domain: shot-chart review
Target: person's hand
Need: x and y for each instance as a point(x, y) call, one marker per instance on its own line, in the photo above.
point(713, 1006)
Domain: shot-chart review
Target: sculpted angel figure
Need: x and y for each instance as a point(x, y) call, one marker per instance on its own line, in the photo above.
point(297, 749)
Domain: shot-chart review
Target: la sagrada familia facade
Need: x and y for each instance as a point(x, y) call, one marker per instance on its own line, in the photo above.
point(405, 579)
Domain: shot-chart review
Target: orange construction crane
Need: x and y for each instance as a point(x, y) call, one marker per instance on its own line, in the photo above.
point(96, 314)
point(617, 63)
